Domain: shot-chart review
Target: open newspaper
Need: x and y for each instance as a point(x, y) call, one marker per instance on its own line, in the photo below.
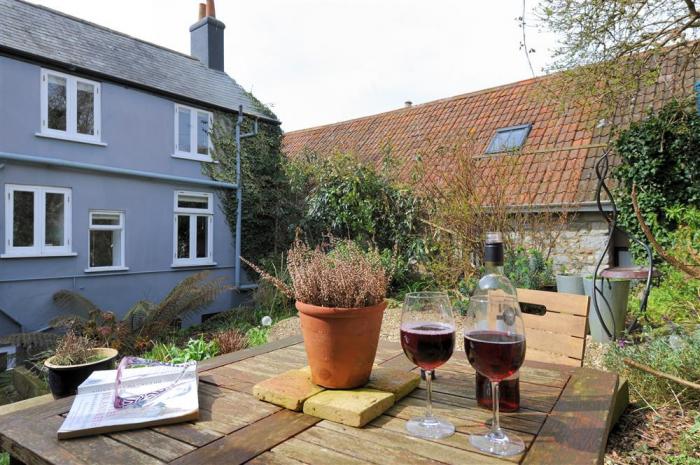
point(93, 410)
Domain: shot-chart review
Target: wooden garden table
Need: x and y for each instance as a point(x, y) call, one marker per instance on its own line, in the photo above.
point(564, 419)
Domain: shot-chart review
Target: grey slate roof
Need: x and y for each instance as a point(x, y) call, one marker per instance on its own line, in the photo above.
point(41, 32)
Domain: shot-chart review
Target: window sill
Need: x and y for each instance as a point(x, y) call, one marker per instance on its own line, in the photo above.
point(106, 269)
point(185, 156)
point(192, 264)
point(36, 255)
point(70, 139)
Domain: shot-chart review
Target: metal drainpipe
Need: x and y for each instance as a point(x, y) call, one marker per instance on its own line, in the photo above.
point(239, 199)
point(239, 191)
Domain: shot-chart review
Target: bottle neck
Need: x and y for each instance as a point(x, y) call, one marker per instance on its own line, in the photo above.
point(494, 267)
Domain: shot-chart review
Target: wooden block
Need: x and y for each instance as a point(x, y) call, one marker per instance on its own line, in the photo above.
point(288, 390)
point(354, 407)
point(398, 382)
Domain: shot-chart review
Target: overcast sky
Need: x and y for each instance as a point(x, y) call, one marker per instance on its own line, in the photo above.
point(320, 61)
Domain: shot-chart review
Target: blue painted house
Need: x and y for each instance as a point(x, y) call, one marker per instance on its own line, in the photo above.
point(102, 141)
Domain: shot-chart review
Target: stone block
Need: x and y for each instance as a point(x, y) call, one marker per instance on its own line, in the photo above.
point(288, 390)
point(398, 382)
point(355, 407)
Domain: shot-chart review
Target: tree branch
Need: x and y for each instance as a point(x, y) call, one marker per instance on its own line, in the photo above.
point(660, 374)
point(691, 8)
point(688, 270)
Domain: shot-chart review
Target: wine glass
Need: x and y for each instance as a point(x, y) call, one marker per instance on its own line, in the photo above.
point(428, 340)
point(494, 340)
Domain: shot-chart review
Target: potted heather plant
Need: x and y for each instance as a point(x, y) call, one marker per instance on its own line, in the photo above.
point(74, 359)
point(340, 295)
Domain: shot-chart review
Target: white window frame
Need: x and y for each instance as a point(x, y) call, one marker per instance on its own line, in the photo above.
point(192, 153)
point(108, 227)
point(71, 133)
point(193, 213)
point(39, 249)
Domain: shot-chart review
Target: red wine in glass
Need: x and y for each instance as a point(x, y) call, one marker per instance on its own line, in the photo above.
point(427, 344)
point(495, 354)
point(509, 398)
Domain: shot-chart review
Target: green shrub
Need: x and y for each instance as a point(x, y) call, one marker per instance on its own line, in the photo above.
point(349, 199)
point(676, 298)
point(675, 354)
point(195, 350)
point(4, 458)
point(257, 335)
point(527, 268)
point(659, 155)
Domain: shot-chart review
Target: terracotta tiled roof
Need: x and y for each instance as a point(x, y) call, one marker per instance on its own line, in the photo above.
point(555, 166)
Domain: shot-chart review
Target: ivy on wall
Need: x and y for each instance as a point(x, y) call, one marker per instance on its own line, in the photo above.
point(660, 155)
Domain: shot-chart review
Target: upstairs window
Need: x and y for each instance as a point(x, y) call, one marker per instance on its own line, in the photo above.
point(37, 221)
point(70, 107)
point(106, 241)
point(192, 130)
point(193, 229)
point(507, 139)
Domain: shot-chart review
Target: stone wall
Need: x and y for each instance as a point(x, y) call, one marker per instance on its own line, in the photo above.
point(580, 244)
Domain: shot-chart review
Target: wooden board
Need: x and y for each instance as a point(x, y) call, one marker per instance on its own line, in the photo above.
point(566, 413)
point(577, 427)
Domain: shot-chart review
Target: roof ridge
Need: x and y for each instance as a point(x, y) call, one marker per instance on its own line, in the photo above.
point(105, 28)
point(430, 102)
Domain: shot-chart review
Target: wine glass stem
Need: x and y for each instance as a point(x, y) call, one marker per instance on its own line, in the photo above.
point(428, 382)
point(495, 424)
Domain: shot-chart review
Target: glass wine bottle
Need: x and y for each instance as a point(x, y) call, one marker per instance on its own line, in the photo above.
point(495, 281)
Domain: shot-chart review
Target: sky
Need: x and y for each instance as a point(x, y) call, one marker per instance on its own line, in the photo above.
point(317, 62)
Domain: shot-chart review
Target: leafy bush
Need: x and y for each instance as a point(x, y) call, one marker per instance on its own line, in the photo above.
point(527, 268)
point(676, 298)
point(269, 206)
point(257, 336)
point(195, 350)
point(143, 323)
point(346, 198)
point(659, 155)
point(675, 354)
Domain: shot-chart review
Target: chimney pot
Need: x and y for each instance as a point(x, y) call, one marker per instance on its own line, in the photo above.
point(211, 9)
point(408, 104)
point(202, 11)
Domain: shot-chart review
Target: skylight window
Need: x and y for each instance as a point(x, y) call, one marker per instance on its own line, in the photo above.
point(507, 139)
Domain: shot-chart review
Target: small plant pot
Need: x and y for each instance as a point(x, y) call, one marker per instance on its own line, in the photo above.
point(341, 343)
point(65, 379)
point(570, 284)
point(612, 305)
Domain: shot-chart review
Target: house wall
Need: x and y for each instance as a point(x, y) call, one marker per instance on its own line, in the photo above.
point(138, 129)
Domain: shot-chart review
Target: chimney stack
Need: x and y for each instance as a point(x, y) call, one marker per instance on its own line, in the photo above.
point(407, 104)
point(207, 37)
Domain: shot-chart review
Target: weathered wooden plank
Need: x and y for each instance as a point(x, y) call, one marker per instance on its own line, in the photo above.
point(241, 374)
point(536, 397)
point(577, 427)
point(273, 458)
point(556, 302)
point(460, 440)
point(410, 407)
point(34, 445)
point(25, 404)
point(219, 378)
point(399, 362)
point(383, 445)
point(555, 343)
point(191, 433)
point(559, 323)
point(89, 450)
point(232, 407)
point(312, 454)
point(152, 443)
point(233, 357)
point(250, 441)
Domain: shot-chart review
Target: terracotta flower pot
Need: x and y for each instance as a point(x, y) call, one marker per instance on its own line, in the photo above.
point(340, 343)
